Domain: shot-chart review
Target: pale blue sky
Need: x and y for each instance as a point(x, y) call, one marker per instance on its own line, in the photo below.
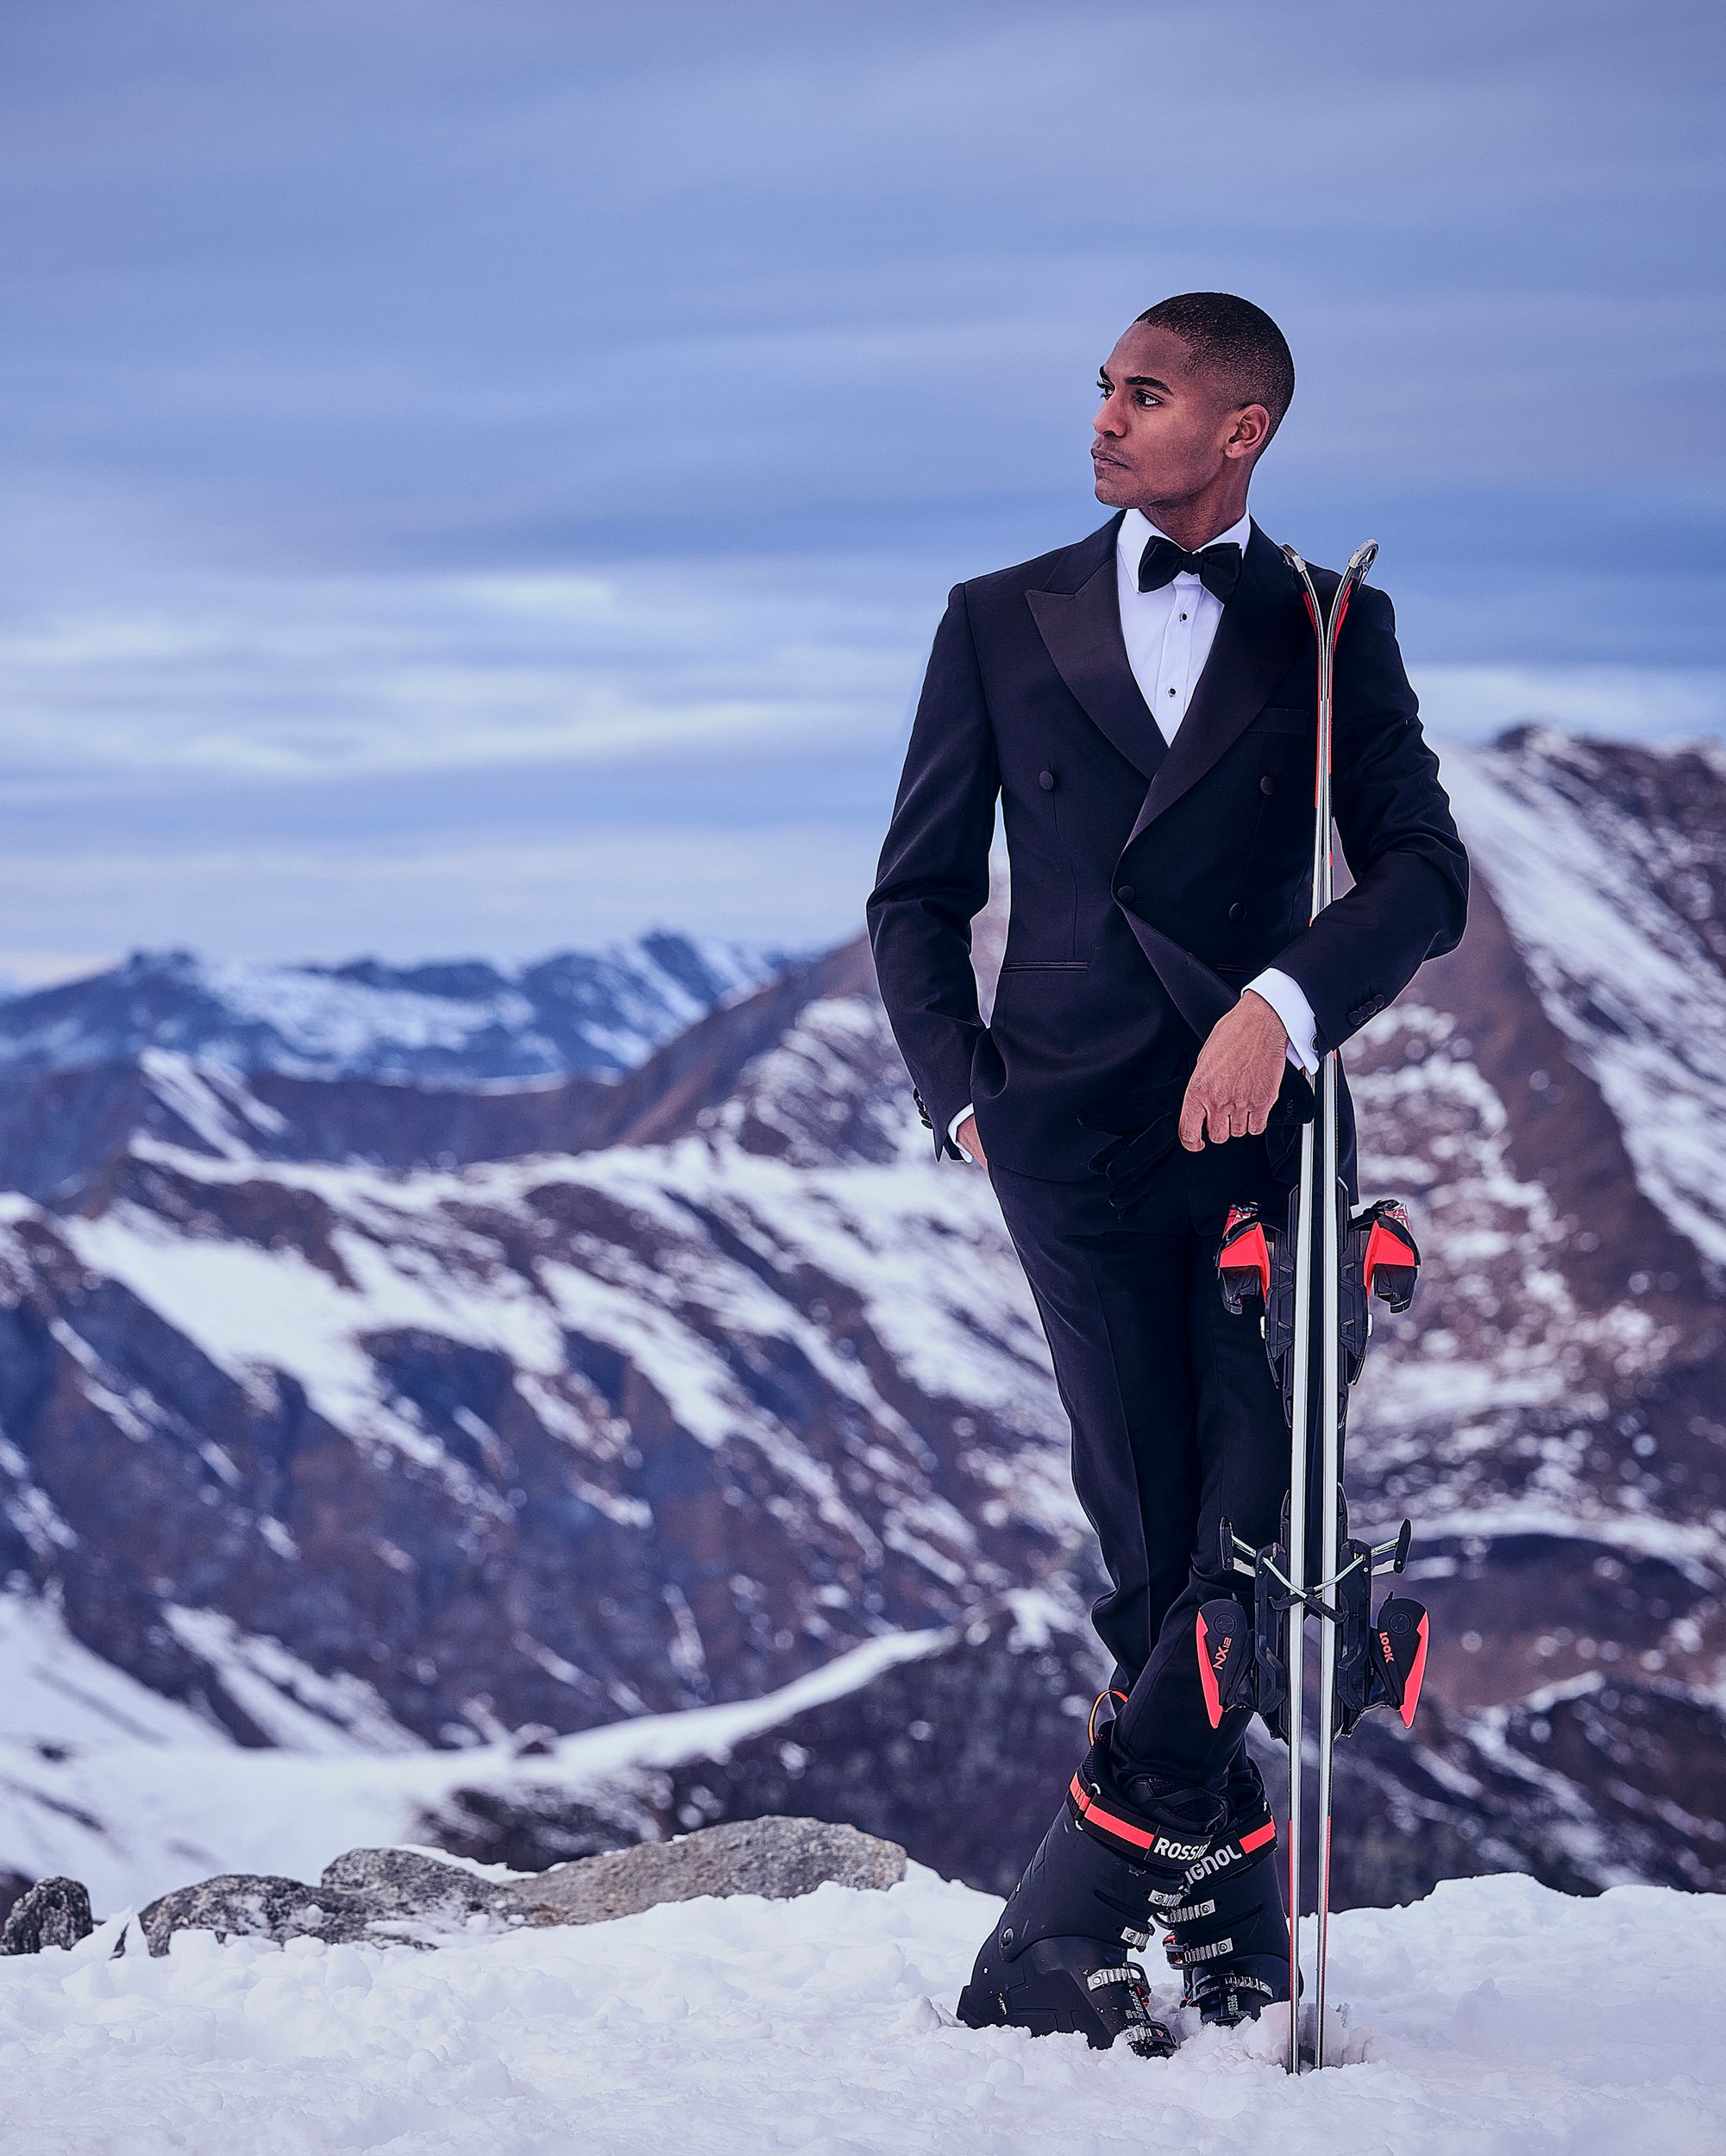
point(483, 477)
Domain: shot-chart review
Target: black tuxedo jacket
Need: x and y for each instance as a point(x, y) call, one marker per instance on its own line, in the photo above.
point(1149, 881)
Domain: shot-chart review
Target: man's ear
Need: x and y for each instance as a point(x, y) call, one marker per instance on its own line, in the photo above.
point(1250, 431)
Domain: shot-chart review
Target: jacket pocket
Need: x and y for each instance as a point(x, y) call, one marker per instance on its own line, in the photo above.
point(1281, 720)
point(1045, 965)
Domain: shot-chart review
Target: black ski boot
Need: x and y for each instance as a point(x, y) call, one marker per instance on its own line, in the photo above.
point(1229, 1935)
point(1108, 1871)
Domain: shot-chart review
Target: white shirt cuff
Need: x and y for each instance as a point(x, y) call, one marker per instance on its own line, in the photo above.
point(1289, 1001)
point(953, 1129)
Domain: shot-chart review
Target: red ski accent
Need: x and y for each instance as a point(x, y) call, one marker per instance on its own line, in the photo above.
point(1384, 1247)
point(1248, 1251)
point(1208, 1675)
point(1259, 1837)
point(1089, 1808)
point(1411, 1690)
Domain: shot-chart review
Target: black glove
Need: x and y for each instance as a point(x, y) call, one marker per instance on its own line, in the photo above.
point(1147, 1127)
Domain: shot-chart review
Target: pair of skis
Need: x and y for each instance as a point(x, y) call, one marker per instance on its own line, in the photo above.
point(1366, 1660)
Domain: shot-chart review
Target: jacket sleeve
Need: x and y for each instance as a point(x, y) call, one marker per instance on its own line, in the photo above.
point(1409, 899)
point(932, 877)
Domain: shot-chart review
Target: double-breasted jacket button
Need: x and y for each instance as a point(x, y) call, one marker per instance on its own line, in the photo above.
point(1267, 784)
point(1046, 780)
point(1237, 911)
point(1123, 890)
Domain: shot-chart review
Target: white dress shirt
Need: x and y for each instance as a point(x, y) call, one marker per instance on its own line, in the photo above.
point(1169, 633)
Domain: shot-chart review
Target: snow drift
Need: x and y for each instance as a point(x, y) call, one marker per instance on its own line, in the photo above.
point(1495, 2017)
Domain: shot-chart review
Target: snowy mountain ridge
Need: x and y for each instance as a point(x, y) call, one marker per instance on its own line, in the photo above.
point(453, 1022)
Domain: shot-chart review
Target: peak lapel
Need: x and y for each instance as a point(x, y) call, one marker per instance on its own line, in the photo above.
point(1257, 641)
point(1081, 628)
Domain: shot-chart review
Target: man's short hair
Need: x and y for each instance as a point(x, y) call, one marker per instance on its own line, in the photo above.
point(1236, 342)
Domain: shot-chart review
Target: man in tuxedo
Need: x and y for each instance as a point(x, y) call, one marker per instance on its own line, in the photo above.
point(1142, 703)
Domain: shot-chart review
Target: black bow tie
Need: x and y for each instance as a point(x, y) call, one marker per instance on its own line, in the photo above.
point(1218, 568)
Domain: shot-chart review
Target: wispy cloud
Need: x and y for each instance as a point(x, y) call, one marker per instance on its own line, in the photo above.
point(283, 679)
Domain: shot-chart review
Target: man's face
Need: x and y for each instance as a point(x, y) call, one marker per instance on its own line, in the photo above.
point(1165, 432)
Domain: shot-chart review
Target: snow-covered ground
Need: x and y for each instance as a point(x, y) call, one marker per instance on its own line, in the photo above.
point(1494, 2017)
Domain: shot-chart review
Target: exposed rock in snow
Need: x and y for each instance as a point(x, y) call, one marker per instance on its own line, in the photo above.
point(777, 1858)
point(52, 1913)
point(409, 1897)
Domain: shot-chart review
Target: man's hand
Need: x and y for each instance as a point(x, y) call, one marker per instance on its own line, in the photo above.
point(971, 1142)
point(1238, 1076)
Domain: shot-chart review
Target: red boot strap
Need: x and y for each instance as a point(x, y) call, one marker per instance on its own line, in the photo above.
point(1152, 1840)
point(1094, 1815)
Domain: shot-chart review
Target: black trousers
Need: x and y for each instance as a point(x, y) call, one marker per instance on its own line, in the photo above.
point(1176, 1419)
